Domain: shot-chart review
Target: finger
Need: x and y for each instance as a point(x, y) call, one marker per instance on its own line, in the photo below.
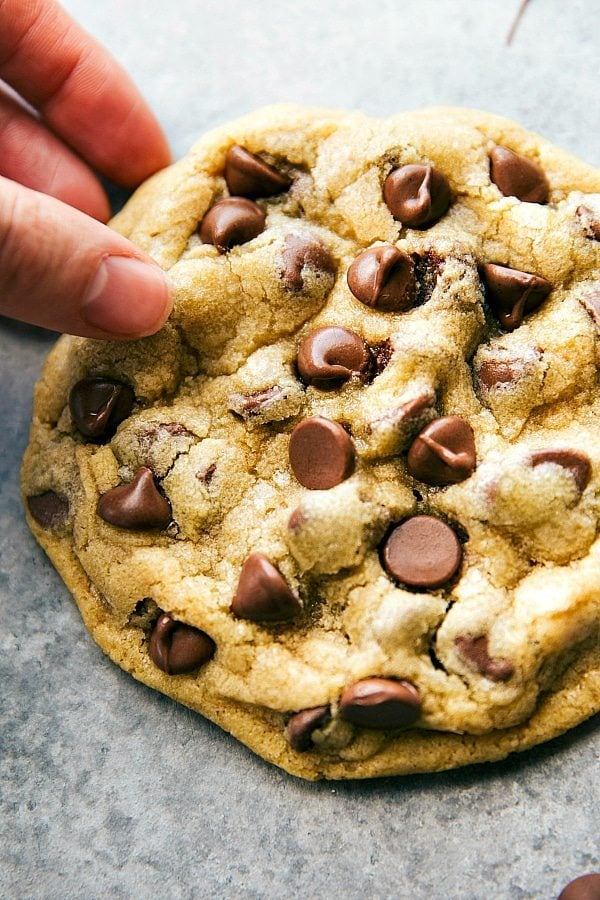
point(65, 271)
point(84, 95)
point(33, 156)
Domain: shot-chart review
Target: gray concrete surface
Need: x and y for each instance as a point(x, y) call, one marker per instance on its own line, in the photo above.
point(110, 790)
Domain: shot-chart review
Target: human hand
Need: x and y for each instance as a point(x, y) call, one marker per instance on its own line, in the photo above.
point(59, 266)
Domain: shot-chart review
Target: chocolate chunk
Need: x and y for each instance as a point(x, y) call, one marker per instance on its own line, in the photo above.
point(443, 452)
point(417, 195)
point(49, 509)
point(475, 651)
point(98, 406)
point(591, 303)
point(263, 594)
point(586, 887)
point(135, 505)
point(380, 703)
point(321, 453)
point(422, 552)
point(301, 725)
point(516, 176)
point(575, 462)
point(328, 357)
point(177, 648)
point(302, 252)
point(248, 175)
point(590, 221)
point(384, 279)
point(512, 294)
point(230, 222)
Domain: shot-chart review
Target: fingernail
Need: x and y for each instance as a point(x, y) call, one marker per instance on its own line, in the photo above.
point(126, 297)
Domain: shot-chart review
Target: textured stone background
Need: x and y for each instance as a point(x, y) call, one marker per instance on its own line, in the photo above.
point(110, 790)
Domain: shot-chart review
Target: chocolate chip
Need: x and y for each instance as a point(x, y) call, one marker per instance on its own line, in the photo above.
point(304, 252)
point(575, 462)
point(248, 175)
point(417, 195)
point(380, 703)
point(263, 594)
point(590, 221)
point(177, 648)
point(135, 505)
point(98, 406)
point(475, 651)
point(328, 357)
point(49, 509)
point(321, 453)
point(586, 887)
point(591, 303)
point(301, 725)
point(443, 452)
point(516, 176)
point(512, 294)
point(422, 552)
point(230, 222)
point(384, 279)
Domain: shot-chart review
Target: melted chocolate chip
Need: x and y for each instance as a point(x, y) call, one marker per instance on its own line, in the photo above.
point(49, 509)
point(248, 175)
point(321, 453)
point(407, 417)
point(301, 725)
point(586, 887)
point(304, 252)
point(250, 405)
point(516, 176)
point(512, 294)
point(384, 279)
point(135, 505)
point(417, 195)
point(177, 648)
point(380, 703)
point(328, 357)
point(443, 452)
point(422, 552)
point(493, 372)
point(207, 475)
point(428, 267)
point(591, 303)
point(475, 651)
point(263, 594)
point(575, 462)
point(230, 222)
point(381, 354)
point(98, 406)
point(590, 221)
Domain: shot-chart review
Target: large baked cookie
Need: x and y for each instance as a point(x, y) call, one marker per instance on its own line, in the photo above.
point(345, 504)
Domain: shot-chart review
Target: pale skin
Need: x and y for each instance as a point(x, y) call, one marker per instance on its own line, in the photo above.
point(60, 266)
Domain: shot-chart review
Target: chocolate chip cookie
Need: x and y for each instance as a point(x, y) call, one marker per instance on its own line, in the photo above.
point(345, 504)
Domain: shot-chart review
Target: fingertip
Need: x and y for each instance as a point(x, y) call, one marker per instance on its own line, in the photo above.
point(127, 298)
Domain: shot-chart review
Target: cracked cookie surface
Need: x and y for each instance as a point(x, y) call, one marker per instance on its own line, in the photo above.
point(346, 502)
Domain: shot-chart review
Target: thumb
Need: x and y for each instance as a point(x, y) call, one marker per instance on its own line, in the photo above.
point(65, 271)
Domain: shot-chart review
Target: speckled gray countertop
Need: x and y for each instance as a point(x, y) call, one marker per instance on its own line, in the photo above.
point(111, 790)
